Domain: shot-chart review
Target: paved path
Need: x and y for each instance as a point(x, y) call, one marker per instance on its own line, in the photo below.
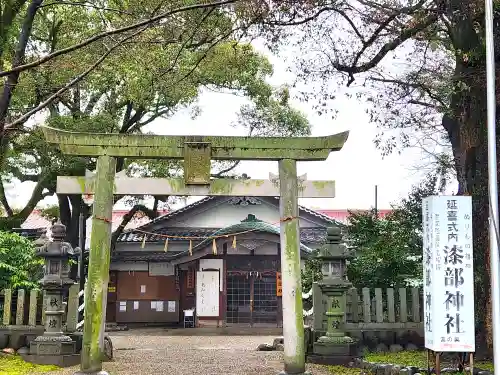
point(149, 354)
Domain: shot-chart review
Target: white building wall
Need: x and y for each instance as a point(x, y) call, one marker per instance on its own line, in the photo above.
point(225, 214)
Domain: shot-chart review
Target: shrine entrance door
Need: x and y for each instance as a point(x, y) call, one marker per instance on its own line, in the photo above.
point(251, 298)
point(251, 291)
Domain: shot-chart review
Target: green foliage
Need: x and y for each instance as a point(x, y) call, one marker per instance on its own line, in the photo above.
point(19, 267)
point(404, 358)
point(51, 213)
point(414, 358)
point(14, 365)
point(341, 370)
point(382, 252)
point(150, 77)
point(311, 271)
point(389, 249)
point(274, 117)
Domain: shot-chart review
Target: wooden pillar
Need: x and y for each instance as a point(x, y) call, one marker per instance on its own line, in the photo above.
point(96, 290)
point(293, 319)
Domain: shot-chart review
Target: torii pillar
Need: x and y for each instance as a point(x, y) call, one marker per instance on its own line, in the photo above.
point(197, 152)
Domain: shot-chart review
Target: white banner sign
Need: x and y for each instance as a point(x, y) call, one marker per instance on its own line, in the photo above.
point(448, 274)
point(207, 293)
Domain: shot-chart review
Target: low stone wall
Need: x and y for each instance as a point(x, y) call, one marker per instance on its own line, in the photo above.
point(381, 341)
point(15, 337)
point(394, 369)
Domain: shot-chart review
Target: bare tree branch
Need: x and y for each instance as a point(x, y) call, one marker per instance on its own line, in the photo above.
point(226, 170)
point(70, 84)
point(100, 36)
point(152, 214)
point(4, 201)
point(385, 49)
point(412, 85)
point(87, 5)
point(13, 76)
point(36, 196)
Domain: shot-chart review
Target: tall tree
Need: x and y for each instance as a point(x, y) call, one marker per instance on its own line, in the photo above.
point(38, 33)
point(147, 77)
point(428, 58)
point(389, 249)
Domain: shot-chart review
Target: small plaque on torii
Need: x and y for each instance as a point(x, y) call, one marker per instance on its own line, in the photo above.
point(197, 157)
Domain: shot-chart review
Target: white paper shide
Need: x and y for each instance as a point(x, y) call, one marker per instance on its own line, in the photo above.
point(448, 274)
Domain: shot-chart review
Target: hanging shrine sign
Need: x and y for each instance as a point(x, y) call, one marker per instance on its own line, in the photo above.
point(448, 274)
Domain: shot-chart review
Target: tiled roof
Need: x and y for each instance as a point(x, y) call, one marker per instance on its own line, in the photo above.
point(170, 215)
point(307, 235)
point(343, 214)
point(31, 234)
point(206, 199)
point(248, 225)
point(132, 236)
point(339, 216)
point(316, 213)
point(35, 220)
point(134, 256)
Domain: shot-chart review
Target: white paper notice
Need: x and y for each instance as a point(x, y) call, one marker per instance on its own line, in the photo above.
point(153, 305)
point(171, 306)
point(123, 306)
point(143, 289)
point(136, 305)
point(159, 305)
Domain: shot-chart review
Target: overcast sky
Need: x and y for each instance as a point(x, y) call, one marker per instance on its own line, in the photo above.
point(356, 169)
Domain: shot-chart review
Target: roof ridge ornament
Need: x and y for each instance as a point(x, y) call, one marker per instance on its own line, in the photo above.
point(244, 201)
point(251, 218)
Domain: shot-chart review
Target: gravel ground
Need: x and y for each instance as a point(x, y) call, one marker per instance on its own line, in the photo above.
point(149, 354)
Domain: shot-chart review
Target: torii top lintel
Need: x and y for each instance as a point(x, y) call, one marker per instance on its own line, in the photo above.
point(178, 147)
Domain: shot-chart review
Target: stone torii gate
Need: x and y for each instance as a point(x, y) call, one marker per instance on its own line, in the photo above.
point(197, 153)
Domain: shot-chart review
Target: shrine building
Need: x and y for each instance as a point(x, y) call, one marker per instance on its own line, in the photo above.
point(219, 255)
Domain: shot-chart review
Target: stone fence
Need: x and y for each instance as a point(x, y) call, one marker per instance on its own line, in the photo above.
point(23, 316)
point(374, 316)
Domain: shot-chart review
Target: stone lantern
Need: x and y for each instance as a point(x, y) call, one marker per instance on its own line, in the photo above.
point(334, 347)
point(54, 346)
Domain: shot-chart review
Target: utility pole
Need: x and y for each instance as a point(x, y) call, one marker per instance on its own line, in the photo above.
point(492, 181)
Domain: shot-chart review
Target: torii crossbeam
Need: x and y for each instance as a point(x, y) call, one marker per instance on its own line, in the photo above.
point(197, 152)
point(124, 185)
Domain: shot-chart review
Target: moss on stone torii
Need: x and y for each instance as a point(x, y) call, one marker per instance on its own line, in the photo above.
point(197, 152)
point(172, 147)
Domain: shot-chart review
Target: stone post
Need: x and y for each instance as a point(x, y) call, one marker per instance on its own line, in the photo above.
point(96, 289)
point(334, 347)
point(54, 347)
point(293, 319)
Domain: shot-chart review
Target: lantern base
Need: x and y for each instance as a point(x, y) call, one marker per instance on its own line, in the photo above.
point(66, 360)
point(303, 373)
point(329, 353)
point(102, 372)
point(53, 350)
